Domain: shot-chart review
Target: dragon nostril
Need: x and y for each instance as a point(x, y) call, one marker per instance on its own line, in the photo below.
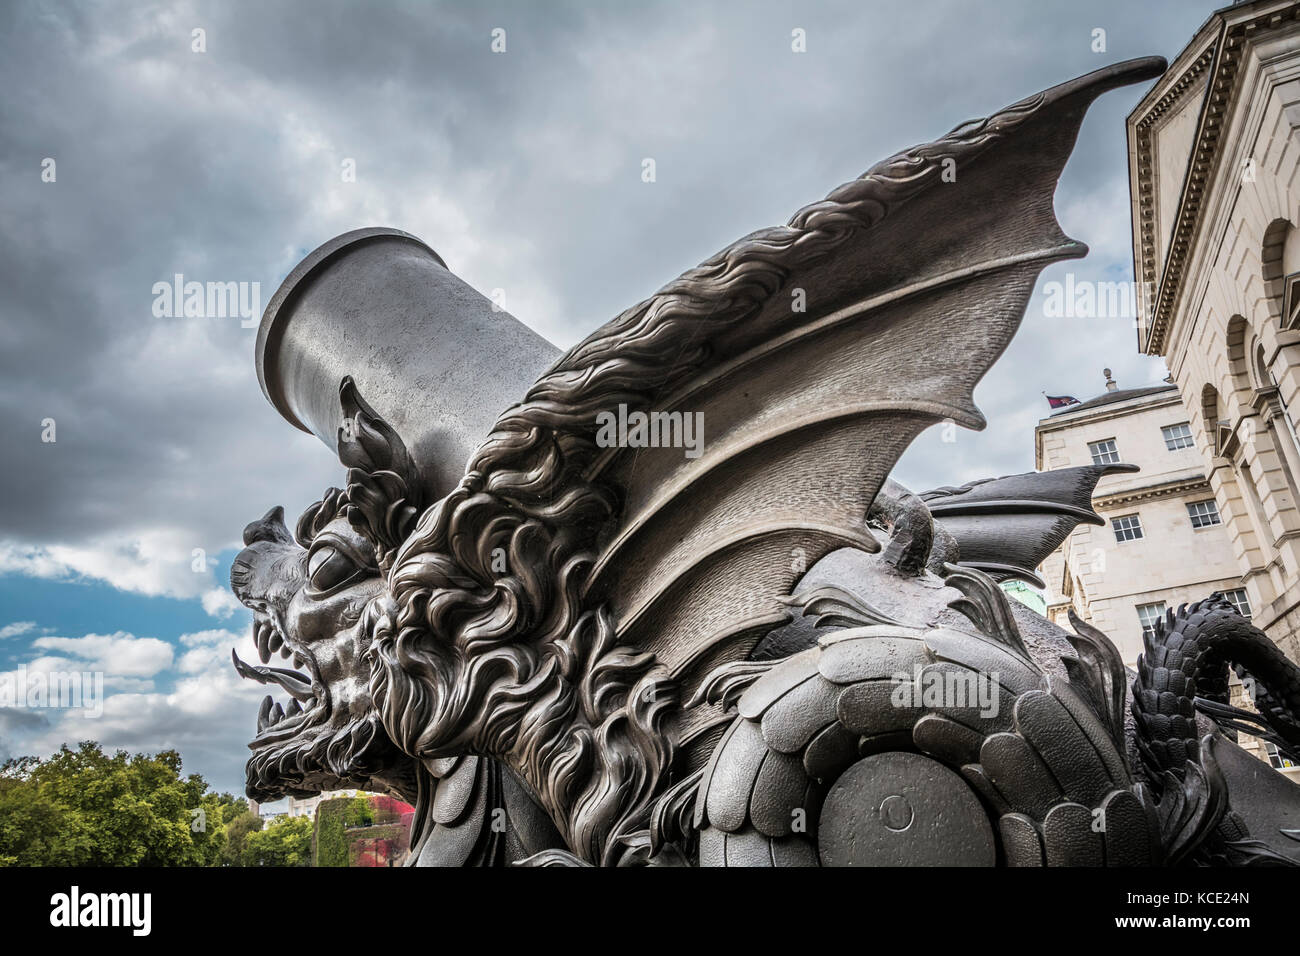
point(270, 527)
point(241, 575)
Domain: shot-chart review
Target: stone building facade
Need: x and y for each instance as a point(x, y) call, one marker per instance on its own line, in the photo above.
point(1214, 164)
point(1164, 541)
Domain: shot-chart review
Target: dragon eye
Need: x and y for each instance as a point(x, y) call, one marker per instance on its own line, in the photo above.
point(328, 567)
point(338, 560)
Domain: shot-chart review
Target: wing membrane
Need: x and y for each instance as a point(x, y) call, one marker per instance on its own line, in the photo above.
point(813, 352)
point(913, 280)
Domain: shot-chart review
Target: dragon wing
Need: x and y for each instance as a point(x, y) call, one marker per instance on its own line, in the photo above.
point(1006, 527)
point(811, 355)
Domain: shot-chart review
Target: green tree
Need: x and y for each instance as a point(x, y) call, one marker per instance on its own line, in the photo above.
point(285, 841)
point(232, 807)
point(237, 830)
point(82, 807)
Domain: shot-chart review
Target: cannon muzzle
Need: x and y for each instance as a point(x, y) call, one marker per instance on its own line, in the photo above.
point(432, 356)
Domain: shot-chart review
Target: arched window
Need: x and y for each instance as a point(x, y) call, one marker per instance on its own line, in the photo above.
point(1217, 427)
point(1238, 363)
point(1263, 375)
point(1267, 401)
point(1280, 264)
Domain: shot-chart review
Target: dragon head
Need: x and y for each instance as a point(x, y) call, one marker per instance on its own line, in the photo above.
point(424, 633)
point(314, 602)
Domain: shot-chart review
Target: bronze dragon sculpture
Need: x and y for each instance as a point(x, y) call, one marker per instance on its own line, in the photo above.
point(758, 652)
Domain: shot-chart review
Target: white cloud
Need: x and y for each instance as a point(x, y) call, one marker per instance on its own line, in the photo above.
point(220, 603)
point(16, 628)
point(207, 714)
point(154, 563)
point(208, 651)
point(118, 655)
point(210, 638)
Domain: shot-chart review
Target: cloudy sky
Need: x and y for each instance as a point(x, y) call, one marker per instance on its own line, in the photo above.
point(522, 168)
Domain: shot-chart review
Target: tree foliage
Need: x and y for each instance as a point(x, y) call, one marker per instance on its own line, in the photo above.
point(333, 817)
point(83, 807)
point(285, 841)
point(238, 828)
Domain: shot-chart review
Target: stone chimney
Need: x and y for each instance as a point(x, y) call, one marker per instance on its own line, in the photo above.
point(1111, 385)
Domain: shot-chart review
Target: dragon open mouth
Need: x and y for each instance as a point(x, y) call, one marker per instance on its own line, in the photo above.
point(308, 704)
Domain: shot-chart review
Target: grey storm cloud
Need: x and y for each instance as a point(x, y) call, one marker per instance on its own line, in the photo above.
point(522, 169)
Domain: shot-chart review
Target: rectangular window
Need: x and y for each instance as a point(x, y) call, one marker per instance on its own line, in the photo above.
point(1203, 513)
point(1177, 436)
point(1126, 528)
point(1148, 614)
point(1239, 600)
point(1103, 452)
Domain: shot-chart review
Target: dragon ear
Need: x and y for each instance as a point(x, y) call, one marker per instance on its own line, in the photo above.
point(383, 482)
point(366, 441)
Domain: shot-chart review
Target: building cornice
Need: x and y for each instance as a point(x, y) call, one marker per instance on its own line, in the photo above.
point(1237, 27)
point(1145, 266)
point(1144, 403)
point(1165, 489)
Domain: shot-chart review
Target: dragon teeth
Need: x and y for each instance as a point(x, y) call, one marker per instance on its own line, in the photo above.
point(263, 645)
